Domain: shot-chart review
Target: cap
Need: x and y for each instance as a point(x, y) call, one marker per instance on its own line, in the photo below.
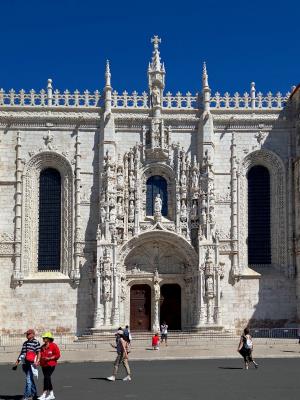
point(47, 335)
point(30, 331)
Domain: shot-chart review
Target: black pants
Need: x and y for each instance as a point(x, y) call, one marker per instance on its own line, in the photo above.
point(48, 371)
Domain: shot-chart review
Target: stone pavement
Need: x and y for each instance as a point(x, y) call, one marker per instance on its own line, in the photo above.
point(95, 352)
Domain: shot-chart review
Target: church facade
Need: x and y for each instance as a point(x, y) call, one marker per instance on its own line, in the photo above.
point(136, 209)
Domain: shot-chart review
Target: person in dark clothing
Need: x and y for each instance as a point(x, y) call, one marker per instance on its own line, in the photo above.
point(245, 348)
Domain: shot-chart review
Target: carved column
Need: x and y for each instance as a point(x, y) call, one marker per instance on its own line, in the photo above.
point(18, 212)
point(156, 308)
point(76, 272)
point(98, 317)
point(116, 294)
point(234, 208)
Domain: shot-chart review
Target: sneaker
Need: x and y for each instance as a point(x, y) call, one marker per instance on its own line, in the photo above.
point(42, 397)
point(127, 378)
point(50, 397)
point(255, 365)
point(111, 378)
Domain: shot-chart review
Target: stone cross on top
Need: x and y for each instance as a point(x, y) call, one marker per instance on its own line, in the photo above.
point(156, 40)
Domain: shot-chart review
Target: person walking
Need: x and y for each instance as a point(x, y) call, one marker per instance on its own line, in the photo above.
point(30, 358)
point(245, 348)
point(127, 334)
point(122, 357)
point(50, 353)
point(164, 333)
point(155, 341)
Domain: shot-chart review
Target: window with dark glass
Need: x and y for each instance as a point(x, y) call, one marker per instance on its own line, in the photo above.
point(259, 216)
point(157, 185)
point(49, 246)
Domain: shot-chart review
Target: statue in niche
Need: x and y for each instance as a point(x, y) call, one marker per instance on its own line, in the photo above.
point(112, 215)
point(195, 182)
point(183, 213)
point(120, 179)
point(183, 179)
point(131, 181)
point(120, 208)
point(156, 291)
point(102, 215)
point(155, 97)
point(209, 286)
point(157, 205)
point(131, 211)
point(106, 289)
point(194, 211)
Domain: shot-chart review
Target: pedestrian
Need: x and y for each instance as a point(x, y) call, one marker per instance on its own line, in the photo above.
point(30, 358)
point(50, 353)
point(127, 334)
point(164, 333)
point(122, 357)
point(155, 341)
point(245, 348)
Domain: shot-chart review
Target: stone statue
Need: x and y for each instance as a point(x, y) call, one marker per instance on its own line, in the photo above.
point(183, 213)
point(194, 211)
point(106, 289)
point(131, 211)
point(183, 179)
point(157, 205)
point(120, 179)
point(155, 96)
point(195, 180)
point(131, 181)
point(120, 213)
point(156, 291)
point(209, 286)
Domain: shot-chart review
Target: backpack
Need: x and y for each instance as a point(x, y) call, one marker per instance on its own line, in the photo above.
point(248, 342)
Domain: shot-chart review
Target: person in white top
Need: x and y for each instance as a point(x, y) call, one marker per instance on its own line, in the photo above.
point(164, 333)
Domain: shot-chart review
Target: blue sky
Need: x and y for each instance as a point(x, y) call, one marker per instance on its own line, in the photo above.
point(69, 41)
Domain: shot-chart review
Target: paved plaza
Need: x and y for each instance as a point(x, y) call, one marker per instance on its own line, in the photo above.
point(174, 379)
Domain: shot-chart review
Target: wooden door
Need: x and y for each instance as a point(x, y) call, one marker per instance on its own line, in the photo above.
point(140, 308)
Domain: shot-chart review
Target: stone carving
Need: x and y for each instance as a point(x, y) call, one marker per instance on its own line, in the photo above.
point(157, 205)
point(112, 215)
point(156, 96)
point(131, 211)
point(183, 212)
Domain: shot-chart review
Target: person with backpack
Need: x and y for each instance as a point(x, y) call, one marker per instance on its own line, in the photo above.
point(127, 334)
point(50, 353)
point(245, 348)
point(30, 358)
point(122, 356)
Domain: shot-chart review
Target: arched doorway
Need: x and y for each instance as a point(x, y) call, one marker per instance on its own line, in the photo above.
point(140, 308)
point(170, 305)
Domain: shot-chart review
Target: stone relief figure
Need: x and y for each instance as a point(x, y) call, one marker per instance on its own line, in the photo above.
point(131, 181)
point(157, 205)
point(120, 208)
point(120, 179)
point(156, 291)
point(195, 181)
point(131, 211)
point(183, 179)
point(209, 286)
point(131, 161)
point(183, 212)
point(194, 211)
point(102, 215)
point(106, 289)
point(155, 96)
point(112, 215)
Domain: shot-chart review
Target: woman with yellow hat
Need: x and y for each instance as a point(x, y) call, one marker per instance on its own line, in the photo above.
point(49, 355)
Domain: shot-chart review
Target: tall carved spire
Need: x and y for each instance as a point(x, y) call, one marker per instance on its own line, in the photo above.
point(205, 89)
point(107, 89)
point(156, 77)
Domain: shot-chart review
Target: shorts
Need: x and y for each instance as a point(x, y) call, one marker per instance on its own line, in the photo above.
point(164, 336)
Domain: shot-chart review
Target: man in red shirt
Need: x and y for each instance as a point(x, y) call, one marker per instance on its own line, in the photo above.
point(155, 342)
point(49, 355)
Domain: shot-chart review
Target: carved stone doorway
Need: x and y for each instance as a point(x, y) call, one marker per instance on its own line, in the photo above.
point(170, 306)
point(140, 308)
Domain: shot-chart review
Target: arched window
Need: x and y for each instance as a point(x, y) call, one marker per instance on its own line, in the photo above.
point(49, 245)
point(259, 225)
point(157, 185)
